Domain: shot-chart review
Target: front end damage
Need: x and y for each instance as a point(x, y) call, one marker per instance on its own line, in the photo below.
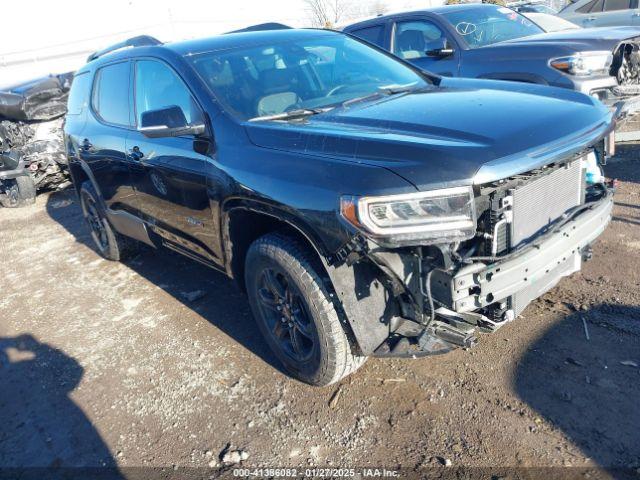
point(621, 89)
point(532, 229)
point(626, 65)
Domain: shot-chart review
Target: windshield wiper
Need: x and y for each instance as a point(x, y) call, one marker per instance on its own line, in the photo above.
point(394, 89)
point(384, 90)
point(291, 114)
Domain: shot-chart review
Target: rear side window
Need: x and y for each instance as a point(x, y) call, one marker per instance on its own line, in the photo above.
point(110, 98)
point(79, 95)
point(373, 35)
point(613, 5)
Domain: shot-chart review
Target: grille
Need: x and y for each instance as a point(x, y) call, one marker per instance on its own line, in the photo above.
point(540, 202)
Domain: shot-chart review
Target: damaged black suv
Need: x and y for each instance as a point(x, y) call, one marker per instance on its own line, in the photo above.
point(368, 208)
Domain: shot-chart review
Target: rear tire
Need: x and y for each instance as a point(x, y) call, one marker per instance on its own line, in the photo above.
point(295, 312)
point(109, 243)
point(21, 192)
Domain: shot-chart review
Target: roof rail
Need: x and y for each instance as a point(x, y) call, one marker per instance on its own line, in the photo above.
point(140, 41)
point(263, 27)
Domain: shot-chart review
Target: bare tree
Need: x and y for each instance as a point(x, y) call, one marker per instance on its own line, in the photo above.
point(328, 13)
point(377, 7)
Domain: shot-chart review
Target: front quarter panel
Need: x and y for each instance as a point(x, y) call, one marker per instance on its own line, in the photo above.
point(513, 63)
point(303, 189)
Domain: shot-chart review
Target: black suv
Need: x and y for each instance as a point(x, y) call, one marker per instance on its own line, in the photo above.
point(366, 207)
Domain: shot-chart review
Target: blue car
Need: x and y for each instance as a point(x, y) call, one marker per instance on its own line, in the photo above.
point(493, 42)
point(367, 208)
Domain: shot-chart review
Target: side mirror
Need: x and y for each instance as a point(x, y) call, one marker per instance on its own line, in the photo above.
point(439, 48)
point(168, 122)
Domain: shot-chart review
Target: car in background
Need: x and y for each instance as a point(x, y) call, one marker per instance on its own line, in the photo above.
point(532, 6)
point(602, 13)
point(550, 23)
point(494, 42)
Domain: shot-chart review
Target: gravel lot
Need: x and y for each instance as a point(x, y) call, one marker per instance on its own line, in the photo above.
point(119, 365)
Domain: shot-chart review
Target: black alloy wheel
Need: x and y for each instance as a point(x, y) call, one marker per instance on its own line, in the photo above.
point(283, 308)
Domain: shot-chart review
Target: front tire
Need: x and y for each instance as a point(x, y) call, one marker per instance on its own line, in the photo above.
point(109, 243)
point(295, 312)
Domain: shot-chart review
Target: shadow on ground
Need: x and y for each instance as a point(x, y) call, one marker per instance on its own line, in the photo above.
point(625, 166)
point(590, 388)
point(223, 305)
point(41, 426)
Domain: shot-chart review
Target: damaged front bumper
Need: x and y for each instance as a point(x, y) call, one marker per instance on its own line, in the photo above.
point(623, 100)
point(463, 295)
point(525, 276)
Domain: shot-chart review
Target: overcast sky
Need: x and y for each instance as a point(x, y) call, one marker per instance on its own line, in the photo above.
point(42, 36)
point(34, 24)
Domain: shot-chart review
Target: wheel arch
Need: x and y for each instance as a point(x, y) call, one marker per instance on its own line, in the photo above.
point(80, 173)
point(245, 222)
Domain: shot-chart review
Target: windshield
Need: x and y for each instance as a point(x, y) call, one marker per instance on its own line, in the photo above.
point(309, 73)
point(486, 25)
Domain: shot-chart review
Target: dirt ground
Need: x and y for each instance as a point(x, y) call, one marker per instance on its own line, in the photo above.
point(108, 364)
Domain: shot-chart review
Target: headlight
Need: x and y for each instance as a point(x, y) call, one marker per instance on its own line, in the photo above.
point(584, 63)
point(445, 215)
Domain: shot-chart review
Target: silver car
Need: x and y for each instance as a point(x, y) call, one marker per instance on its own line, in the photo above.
point(602, 13)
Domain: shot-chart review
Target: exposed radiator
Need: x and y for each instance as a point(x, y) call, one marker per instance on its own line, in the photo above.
point(540, 202)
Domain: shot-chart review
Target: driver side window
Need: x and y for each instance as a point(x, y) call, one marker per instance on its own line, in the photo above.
point(158, 86)
point(413, 39)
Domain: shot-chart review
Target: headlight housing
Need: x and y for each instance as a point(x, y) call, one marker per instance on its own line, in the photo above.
point(584, 63)
point(436, 216)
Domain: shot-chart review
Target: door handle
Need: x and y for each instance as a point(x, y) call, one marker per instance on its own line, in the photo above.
point(590, 19)
point(136, 154)
point(637, 14)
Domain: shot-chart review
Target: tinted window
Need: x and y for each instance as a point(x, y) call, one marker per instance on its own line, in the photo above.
point(593, 6)
point(612, 5)
point(309, 72)
point(111, 93)
point(79, 95)
point(158, 86)
point(414, 39)
point(373, 35)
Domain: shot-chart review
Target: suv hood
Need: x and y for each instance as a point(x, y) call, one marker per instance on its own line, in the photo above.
point(604, 38)
point(461, 132)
